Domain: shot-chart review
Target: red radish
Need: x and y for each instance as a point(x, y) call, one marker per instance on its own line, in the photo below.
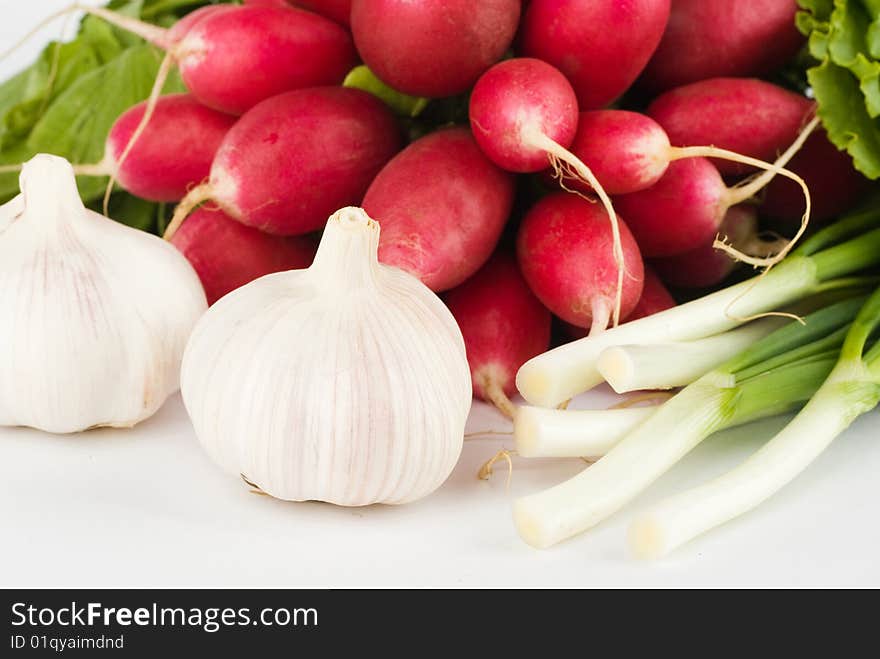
point(709, 38)
point(564, 251)
point(226, 254)
point(294, 159)
point(523, 114)
point(628, 151)
point(503, 324)
point(600, 45)
point(338, 10)
point(173, 154)
point(835, 185)
point(432, 47)
point(442, 206)
point(654, 299)
point(747, 116)
point(684, 209)
point(276, 49)
point(707, 266)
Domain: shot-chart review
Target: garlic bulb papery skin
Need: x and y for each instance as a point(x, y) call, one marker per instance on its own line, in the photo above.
point(346, 382)
point(94, 315)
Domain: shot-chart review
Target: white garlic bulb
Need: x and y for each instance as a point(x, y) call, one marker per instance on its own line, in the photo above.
point(94, 315)
point(346, 382)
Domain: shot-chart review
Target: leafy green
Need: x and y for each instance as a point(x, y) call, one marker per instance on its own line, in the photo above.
point(66, 102)
point(404, 105)
point(844, 38)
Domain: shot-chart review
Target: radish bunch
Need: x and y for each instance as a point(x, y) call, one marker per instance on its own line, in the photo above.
point(539, 200)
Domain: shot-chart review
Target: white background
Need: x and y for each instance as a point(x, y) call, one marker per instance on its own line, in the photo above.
point(146, 508)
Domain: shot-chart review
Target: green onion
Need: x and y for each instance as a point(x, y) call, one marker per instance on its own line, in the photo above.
point(732, 394)
point(851, 389)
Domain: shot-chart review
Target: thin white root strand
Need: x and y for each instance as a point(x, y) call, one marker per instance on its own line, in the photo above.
point(486, 470)
point(669, 365)
point(161, 77)
point(748, 189)
point(557, 154)
point(539, 432)
point(680, 518)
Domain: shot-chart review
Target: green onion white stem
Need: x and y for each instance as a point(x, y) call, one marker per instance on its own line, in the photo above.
point(720, 399)
point(669, 365)
point(540, 432)
point(557, 375)
point(852, 389)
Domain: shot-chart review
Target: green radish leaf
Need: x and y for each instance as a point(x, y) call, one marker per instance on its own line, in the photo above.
point(403, 105)
point(76, 125)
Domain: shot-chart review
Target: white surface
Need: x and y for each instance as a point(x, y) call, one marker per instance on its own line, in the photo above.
point(146, 508)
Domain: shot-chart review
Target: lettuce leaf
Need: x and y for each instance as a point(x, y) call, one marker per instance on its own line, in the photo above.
point(844, 38)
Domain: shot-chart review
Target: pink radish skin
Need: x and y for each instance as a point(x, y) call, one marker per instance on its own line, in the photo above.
point(684, 209)
point(523, 114)
point(600, 45)
point(628, 151)
point(294, 159)
point(711, 38)
point(748, 116)
point(432, 48)
point(835, 185)
point(503, 324)
point(442, 206)
point(516, 103)
point(226, 254)
point(707, 266)
point(681, 212)
point(654, 299)
point(181, 27)
point(277, 49)
point(337, 10)
point(180, 127)
point(564, 252)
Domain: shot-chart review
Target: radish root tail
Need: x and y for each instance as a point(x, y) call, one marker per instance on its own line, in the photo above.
point(748, 189)
point(486, 470)
point(564, 161)
point(161, 77)
point(495, 395)
point(195, 197)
